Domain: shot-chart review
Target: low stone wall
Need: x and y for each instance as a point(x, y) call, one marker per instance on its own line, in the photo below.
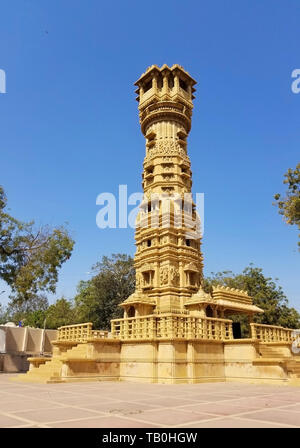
point(172, 361)
point(19, 343)
point(252, 361)
point(158, 361)
point(13, 363)
point(175, 361)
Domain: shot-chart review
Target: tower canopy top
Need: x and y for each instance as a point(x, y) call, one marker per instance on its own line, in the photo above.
point(176, 68)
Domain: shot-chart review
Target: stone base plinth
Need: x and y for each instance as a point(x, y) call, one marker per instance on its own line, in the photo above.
point(168, 361)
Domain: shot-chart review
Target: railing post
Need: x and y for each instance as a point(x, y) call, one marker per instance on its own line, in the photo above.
point(189, 327)
point(89, 330)
point(224, 331)
point(230, 331)
point(154, 327)
point(253, 331)
point(170, 327)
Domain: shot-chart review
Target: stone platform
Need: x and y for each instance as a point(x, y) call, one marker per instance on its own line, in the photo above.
point(187, 350)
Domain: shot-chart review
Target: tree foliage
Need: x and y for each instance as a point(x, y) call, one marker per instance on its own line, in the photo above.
point(31, 312)
point(289, 205)
point(98, 298)
point(37, 313)
point(30, 259)
point(60, 313)
point(3, 315)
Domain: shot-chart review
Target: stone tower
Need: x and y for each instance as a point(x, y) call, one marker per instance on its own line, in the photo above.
point(172, 330)
point(168, 260)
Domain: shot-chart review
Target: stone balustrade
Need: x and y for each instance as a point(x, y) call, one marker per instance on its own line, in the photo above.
point(75, 333)
point(170, 326)
point(271, 333)
point(80, 333)
point(99, 334)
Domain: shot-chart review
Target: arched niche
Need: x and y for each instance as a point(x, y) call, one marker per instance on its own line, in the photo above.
point(209, 311)
point(131, 311)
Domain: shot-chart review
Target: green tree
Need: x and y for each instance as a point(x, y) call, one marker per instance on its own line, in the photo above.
point(97, 299)
point(31, 312)
point(3, 315)
point(30, 259)
point(289, 206)
point(60, 313)
point(36, 319)
point(266, 293)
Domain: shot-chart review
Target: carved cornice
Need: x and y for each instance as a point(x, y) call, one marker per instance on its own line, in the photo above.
point(166, 148)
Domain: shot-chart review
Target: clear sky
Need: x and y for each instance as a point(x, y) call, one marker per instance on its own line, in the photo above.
point(69, 123)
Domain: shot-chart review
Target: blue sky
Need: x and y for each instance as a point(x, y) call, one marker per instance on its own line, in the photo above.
point(69, 123)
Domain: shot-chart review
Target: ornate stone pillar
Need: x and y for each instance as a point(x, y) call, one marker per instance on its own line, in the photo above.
point(154, 83)
point(181, 274)
point(176, 83)
point(202, 311)
point(141, 92)
point(165, 83)
point(156, 275)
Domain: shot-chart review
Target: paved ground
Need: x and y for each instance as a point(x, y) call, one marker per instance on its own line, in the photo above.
point(136, 405)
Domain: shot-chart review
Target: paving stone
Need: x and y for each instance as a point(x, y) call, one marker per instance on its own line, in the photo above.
point(129, 405)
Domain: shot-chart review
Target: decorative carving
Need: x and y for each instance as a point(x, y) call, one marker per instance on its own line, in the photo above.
point(164, 275)
point(167, 189)
point(147, 267)
point(148, 194)
point(138, 281)
point(168, 176)
point(233, 290)
point(166, 147)
point(174, 275)
point(191, 267)
point(167, 167)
